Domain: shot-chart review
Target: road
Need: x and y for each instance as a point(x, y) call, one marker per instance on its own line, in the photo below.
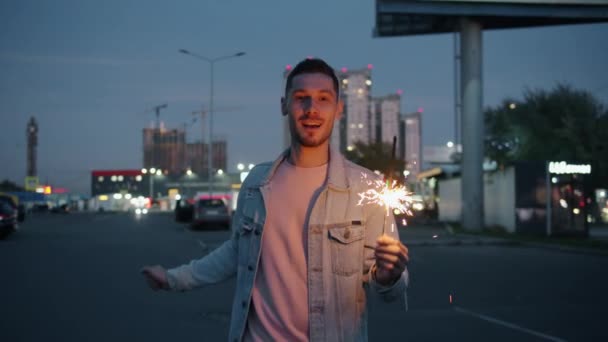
point(76, 277)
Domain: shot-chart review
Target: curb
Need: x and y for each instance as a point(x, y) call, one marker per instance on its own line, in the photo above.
point(557, 247)
point(462, 242)
point(566, 249)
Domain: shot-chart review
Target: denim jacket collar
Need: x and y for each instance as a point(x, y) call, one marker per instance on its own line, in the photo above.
point(336, 172)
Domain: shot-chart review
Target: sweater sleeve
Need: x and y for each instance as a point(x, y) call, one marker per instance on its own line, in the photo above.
point(215, 266)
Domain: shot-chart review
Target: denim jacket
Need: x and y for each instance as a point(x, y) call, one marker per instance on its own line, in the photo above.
point(341, 263)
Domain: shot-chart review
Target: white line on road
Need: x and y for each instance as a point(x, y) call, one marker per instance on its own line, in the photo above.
point(509, 325)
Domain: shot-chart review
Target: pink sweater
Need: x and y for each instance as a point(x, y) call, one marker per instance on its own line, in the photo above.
point(280, 294)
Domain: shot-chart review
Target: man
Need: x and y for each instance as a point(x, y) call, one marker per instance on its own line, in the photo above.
point(307, 256)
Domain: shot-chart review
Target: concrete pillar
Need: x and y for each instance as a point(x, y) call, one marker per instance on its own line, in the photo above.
point(472, 124)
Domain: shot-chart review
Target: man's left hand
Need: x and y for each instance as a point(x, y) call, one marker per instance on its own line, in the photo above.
point(391, 259)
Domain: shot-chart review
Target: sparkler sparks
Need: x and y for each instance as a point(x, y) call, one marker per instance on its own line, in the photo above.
point(387, 194)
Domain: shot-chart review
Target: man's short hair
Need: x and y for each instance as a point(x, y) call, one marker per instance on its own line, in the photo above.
point(310, 66)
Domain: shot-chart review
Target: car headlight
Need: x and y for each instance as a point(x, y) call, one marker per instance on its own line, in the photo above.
point(418, 206)
point(144, 211)
point(137, 211)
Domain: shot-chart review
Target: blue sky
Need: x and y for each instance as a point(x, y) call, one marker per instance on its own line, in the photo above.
point(89, 70)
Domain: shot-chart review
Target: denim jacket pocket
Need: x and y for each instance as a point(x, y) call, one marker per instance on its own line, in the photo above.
point(346, 244)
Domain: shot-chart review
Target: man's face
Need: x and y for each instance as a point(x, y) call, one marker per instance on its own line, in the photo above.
point(312, 106)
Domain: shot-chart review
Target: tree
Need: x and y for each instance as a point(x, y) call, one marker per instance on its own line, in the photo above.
point(7, 185)
point(561, 124)
point(376, 156)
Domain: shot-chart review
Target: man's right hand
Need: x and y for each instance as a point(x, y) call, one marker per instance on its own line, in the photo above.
point(156, 276)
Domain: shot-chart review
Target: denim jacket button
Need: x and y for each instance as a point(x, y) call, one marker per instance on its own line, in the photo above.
point(347, 234)
point(257, 232)
point(250, 268)
point(244, 303)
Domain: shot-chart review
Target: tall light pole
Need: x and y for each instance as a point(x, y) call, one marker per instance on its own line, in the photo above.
point(211, 62)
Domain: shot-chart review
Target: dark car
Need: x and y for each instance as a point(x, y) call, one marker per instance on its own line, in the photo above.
point(14, 202)
point(61, 209)
point(20, 213)
point(184, 210)
point(214, 211)
point(8, 219)
point(40, 208)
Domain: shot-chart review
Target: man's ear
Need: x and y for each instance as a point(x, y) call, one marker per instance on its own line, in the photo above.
point(340, 109)
point(283, 106)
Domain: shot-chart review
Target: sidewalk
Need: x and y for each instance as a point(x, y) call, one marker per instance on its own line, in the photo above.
point(440, 234)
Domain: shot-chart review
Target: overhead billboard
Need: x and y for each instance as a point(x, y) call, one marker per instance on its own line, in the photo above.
point(412, 17)
point(546, 2)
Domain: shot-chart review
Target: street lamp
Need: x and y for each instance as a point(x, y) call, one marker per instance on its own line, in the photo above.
point(211, 62)
point(153, 172)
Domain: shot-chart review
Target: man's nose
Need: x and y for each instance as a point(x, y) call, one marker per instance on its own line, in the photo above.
point(310, 106)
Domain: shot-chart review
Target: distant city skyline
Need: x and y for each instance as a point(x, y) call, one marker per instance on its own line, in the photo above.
point(90, 73)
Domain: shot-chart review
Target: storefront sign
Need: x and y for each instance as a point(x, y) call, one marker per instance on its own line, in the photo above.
point(565, 168)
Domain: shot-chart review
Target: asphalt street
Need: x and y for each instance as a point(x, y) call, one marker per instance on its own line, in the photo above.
point(76, 277)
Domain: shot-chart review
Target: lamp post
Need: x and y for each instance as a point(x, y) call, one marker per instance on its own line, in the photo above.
point(211, 62)
point(152, 173)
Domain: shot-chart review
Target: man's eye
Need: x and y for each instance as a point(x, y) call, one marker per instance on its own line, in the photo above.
point(324, 98)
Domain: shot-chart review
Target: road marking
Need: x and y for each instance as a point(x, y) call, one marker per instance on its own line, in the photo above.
point(509, 325)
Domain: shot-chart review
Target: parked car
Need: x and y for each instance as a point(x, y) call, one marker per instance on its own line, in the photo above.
point(21, 212)
point(61, 209)
point(8, 219)
point(14, 202)
point(184, 210)
point(211, 211)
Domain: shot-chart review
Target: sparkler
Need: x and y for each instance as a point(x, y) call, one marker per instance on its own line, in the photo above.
point(387, 194)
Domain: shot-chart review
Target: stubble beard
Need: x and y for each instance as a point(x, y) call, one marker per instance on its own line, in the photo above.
point(304, 141)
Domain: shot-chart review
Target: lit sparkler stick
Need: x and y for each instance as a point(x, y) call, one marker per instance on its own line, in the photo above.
point(389, 195)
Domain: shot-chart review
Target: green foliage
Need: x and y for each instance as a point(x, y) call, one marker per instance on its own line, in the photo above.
point(376, 156)
point(561, 124)
point(7, 185)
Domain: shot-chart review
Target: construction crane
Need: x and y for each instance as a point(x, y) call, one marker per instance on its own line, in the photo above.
point(154, 153)
point(156, 111)
point(203, 112)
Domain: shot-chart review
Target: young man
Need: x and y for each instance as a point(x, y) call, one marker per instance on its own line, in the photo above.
point(306, 255)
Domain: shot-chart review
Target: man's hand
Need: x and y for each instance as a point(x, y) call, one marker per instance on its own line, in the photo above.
point(391, 259)
point(156, 277)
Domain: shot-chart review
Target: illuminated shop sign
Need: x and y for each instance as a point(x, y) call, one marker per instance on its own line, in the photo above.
point(565, 168)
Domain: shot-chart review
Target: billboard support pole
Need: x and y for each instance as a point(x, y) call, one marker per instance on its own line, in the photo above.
point(549, 204)
point(472, 124)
